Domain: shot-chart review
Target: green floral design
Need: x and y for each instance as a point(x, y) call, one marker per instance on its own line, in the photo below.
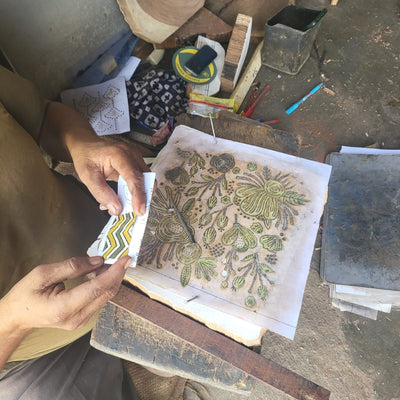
point(272, 243)
point(213, 220)
point(239, 237)
point(195, 202)
point(268, 198)
point(222, 163)
point(258, 275)
point(189, 254)
point(173, 235)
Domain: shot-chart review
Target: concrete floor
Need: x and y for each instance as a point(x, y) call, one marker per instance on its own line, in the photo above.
point(354, 357)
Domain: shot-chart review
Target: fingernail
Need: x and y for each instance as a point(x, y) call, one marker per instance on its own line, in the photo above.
point(128, 263)
point(102, 207)
point(142, 209)
point(96, 260)
point(112, 209)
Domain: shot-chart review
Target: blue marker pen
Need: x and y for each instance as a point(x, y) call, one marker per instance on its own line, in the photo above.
point(294, 106)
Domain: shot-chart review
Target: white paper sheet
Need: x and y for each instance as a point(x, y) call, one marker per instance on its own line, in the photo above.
point(367, 150)
point(129, 68)
point(355, 309)
point(288, 268)
point(105, 105)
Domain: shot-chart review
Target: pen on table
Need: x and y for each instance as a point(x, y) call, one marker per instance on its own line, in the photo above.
point(250, 110)
point(273, 121)
point(252, 97)
point(143, 125)
point(295, 105)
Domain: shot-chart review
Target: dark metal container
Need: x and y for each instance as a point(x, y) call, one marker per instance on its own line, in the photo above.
point(289, 36)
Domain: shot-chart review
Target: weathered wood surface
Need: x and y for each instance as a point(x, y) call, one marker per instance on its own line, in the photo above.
point(248, 76)
point(204, 23)
point(244, 130)
point(155, 20)
point(260, 10)
point(216, 345)
point(126, 335)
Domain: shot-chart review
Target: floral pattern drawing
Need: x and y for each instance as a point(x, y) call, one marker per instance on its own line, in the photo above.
point(211, 216)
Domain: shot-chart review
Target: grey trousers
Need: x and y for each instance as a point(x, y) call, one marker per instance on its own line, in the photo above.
point(75, 372)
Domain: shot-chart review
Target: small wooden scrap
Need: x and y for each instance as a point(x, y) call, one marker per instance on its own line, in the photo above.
point(142, 49)
point(329, 91)
point(236, 52)
point(204, 23)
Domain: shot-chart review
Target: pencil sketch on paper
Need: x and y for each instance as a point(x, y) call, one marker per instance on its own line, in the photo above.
point(217, 219)
point(104, 105)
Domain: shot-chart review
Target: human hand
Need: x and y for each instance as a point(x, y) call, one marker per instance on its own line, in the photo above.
point(103, 159)
point(40, 299)
point(67, 136)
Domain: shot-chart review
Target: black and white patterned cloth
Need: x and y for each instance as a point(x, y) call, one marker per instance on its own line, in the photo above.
point(156, 97)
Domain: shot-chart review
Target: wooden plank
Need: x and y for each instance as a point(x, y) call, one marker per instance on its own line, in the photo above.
point(261, 11)
point(219, 346)
point(248, 76)
point(244, 130)
point(125, 335)
point(204, 23)
point(236, 52)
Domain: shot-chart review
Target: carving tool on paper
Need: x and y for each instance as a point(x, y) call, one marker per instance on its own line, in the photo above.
point(182, 221)
point(251, 108)
point(295, 105)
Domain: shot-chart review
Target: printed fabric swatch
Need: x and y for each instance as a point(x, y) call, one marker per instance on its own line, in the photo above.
point(118, 237)
point(156, 97)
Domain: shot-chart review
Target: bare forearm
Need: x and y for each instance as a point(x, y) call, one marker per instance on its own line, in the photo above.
point(12, 336)
point(62, 129)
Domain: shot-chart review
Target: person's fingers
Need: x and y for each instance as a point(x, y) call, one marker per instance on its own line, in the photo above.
point(108, 162)
point(47, 275)
point(132, 173)
point(136, 188)
point(95, 181)
point(89, 296)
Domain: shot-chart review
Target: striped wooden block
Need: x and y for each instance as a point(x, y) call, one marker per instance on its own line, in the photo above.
point(236, 52)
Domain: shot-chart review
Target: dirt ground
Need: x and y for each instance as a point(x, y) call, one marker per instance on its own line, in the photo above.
point(358, 60)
